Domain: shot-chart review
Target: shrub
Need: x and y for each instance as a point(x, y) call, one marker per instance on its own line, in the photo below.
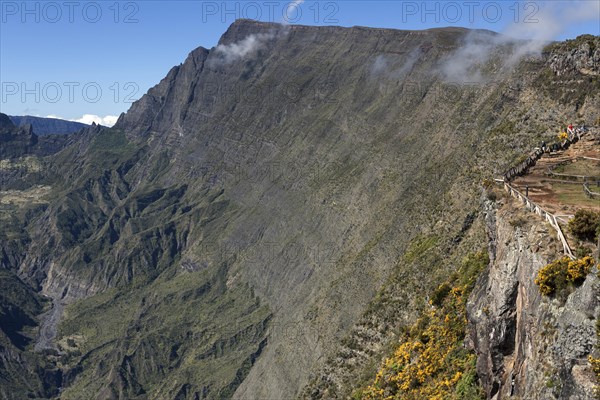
point(440, 294)
point(491, 195)
point(468, 388)
point(431, 361)
point(556, 277)
point(487, 183)
point(578, 270)
point(553, 277)
point(581, 252)
point(585, 225)
point(517, 222)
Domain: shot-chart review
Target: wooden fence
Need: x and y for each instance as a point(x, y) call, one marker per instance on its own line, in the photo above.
point(523, 166)
point(549, 217)
point(588, 192)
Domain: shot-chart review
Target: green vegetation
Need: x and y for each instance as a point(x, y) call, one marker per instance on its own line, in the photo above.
point(431, 361)
point(419, 247)
point(559, 277)
point(562, 87)
point(572, 44)
point(585, 225)
point(110, 147)
point(126, 224)
point(29, 164)
point(505, 128)
point(189, 326)
point(579, 167)
point(573, 194)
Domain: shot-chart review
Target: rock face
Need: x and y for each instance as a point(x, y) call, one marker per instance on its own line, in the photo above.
point(15, 141)
point(530, 346)
point(19, 141)
point(581, 55)
point(232, 228)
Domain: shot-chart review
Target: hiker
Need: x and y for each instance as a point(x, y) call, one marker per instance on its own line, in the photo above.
point(571, 131)
point(543, 147)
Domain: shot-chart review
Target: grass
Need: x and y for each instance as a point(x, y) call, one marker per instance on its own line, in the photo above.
point(419, 247)
point(573, 195)
point(580, 167)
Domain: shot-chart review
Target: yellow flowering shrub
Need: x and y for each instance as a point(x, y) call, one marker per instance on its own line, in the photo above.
point(431, 361)
point(595, 363)
point(556, 276)
point(579, 269)
point(553, 276)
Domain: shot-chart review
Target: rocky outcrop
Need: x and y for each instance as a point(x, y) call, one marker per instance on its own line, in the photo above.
point(16, 141)
point(20, 141)
point(581, 55)
point(530, 346)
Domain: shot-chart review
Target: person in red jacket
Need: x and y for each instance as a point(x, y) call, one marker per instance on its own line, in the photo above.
point(571, 131)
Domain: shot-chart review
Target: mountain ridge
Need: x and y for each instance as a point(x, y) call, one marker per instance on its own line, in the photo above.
point(48, 126)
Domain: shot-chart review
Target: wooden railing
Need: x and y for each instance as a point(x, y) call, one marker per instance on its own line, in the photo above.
point(578, 178)
point(585, 178)
point(521, 169)
point(523, 166)
point(574, 177)
point(588, 192)
point(549, 217)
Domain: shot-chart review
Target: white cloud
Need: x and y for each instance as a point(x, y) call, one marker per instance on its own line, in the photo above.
point(551, 19)
point(295, 4)
point(525, 38)
point(108, 120)
point(245, 47)
point(379, 65)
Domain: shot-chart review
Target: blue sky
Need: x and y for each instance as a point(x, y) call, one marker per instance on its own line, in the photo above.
point(71, 59)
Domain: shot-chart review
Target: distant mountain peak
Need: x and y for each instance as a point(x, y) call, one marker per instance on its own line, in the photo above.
point(48, 126)
point(5, 122)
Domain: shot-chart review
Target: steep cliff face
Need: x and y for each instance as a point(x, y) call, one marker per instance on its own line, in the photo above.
point(530, 346)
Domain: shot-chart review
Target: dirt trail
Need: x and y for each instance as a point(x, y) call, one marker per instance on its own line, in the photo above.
point(555, 194)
